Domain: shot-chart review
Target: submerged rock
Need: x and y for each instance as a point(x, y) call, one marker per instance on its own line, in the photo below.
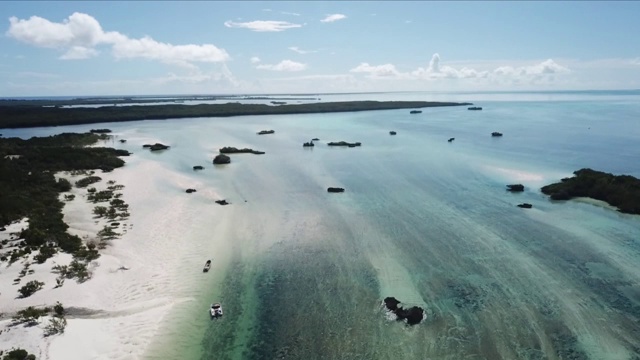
point(198, 167)
point(525, 206)
point(335, 190)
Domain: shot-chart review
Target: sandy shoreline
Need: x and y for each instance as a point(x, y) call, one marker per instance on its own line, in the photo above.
point(121, 310)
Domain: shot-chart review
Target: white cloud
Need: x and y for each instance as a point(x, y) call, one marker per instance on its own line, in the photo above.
point(263, 25)
point(255, 60)
point(81, 33)
point(542, 72)
point(378, 71)
point(333, 17)
point(79, 53)
point(300, 51)
point(284, 65)
point(289, 13)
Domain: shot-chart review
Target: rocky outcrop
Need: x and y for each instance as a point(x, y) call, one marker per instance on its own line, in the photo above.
point(189, 191)
point(335, 190)
point(221, 159)
point(451, 139)
point(413, 315)
point(265, 132)
point(222, 202)
point(344, 143)
point(308, 144)
point(496, 134)
point(232, 150)
point(198, 167)
point(392, 132)
point(475, 108)
point(525, 206)
point(155, 147)
point(515, 187)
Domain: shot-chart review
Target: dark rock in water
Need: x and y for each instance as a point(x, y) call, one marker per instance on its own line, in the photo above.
point(475, 108)
point(155, 147)
point(392, 132)
point(391, 303)
point(198, 167)
point(123, 141)
point(413, 315)
point(307, 144)
point(451, 139)
point(189, 191)
point(515, 187)
point(496, 134)
point(264, 132)
point(222, 202)
point(415, 111)
point(335, 190)
point(232, 150)
point(222, 159)
point(315, 139)
point(525, 206)
point(344, 143)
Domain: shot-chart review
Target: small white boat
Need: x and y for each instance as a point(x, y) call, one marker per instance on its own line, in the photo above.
point(215, 310)
point(207, 266)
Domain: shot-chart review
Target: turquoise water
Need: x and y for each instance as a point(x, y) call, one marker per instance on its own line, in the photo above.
point(424, 220)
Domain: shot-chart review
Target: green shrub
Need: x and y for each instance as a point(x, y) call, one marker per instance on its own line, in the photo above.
point(18, 354)
point(30, 315)
point(46, 252)
point(63, 185)
point(30, 288)
point(84, 182)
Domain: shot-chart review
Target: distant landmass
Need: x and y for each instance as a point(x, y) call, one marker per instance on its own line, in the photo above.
point(22, 116)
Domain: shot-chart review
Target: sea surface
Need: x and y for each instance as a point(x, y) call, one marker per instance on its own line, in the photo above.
point(302, 273)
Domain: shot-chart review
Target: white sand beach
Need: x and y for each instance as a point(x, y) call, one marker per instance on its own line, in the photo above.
point(136, 281)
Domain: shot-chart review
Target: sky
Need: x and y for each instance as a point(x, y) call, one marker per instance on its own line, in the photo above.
point(101, 48)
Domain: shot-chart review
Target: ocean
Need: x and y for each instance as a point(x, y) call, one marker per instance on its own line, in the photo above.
point(302, 273)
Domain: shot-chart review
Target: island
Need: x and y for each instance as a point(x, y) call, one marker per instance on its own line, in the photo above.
point(474, 108)
point(265, 132)
point(451, 139)
point(413, 315)
point(32, 113)
point(232, 150)
point(515, 187)
point(415, 111)
point(621, 191)
point(335, 190)
point(198, 167)
point(344, 143)
point(496, 134)
point(308, 144)
point(392, 132)
point(221, 159)
point(155, 147)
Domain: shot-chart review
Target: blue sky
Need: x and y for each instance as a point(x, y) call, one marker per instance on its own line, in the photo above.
point(145, 47)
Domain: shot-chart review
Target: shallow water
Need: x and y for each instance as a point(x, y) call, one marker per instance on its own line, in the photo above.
point(303, 272)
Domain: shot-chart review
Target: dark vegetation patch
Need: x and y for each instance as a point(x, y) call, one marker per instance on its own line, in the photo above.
point(31, 114)
point(29, 189)
point(621, 191)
